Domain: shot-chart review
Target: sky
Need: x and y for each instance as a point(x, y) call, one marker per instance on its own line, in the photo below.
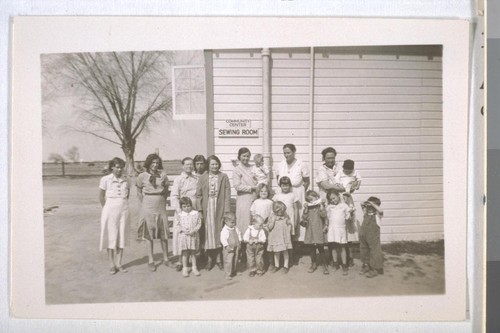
point(61, 107)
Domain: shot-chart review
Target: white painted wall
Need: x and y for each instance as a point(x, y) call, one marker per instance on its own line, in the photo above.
point(381, 107)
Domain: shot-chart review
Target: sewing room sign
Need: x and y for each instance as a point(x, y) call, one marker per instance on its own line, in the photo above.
point(238, 128)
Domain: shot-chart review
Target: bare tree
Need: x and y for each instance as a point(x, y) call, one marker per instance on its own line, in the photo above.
point(56, 158)
point(121, 93)
point(73, 154)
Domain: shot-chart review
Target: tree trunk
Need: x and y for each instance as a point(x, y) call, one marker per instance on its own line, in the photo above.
point(129, 150)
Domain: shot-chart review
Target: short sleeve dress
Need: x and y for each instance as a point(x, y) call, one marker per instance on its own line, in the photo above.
point(153, 222)
point(187, 223)
point(279, 238)
point(115, 213)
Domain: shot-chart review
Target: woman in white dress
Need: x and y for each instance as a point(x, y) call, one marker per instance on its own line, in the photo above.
point(298, 172)
point(113, 196)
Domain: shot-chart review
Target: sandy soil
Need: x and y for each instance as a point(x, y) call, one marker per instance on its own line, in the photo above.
point(76, 272)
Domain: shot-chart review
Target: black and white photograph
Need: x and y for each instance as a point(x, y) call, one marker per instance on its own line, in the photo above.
point(300, 172)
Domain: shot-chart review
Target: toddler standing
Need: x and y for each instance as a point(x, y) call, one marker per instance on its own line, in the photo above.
point(230, 238)
point(292, 203)
point(187, 224)
point(337, 212)
point(279, 240)
point(350, 179)
point(255, 237)
point(313, 219)
point(369, 238)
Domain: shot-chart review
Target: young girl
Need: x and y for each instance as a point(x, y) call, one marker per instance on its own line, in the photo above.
point(262, 206)
point(369, 238)
point(255, 238)
point(337, 212)
point(314, 220)
point(279, 239)
point(292, 203)
point(113, 196)
point(186, 225)
point(350, 179)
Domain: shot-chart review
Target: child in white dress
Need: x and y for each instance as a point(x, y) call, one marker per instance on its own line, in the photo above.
point(337, 212)
point(279, 240)
point(187, 224)
point(262, 206)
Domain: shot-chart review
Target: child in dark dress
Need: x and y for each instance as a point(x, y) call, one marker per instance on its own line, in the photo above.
point(316, 224)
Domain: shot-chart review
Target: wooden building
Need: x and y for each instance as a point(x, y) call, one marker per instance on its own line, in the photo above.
point(379, 106)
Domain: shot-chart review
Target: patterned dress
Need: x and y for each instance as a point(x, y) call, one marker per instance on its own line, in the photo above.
point(188, 225)
point(153, 223)
point(279, 238)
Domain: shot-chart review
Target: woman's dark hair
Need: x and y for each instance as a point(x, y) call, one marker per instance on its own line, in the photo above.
point(115, 161)
point(215, 158)
point(243, 150)
point(328, 150)
point(199, 158)
point(186, 159)
point(150, 159)
point(290, 146)
point(185, 201)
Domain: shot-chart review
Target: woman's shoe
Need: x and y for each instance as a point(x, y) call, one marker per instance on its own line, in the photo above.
point(195, 271)
point(113, 270)
point(152, 267)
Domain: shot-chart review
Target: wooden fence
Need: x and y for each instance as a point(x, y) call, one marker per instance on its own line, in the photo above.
point(97, 168)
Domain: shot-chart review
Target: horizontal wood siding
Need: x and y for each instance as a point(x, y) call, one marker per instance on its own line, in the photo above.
point(382, 108)
point(290, 98)
point(237, 95)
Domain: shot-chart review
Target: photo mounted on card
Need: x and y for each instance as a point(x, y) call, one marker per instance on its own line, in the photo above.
point(166, 168)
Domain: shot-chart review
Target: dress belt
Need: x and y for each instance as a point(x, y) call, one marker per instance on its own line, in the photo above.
point(153, 193)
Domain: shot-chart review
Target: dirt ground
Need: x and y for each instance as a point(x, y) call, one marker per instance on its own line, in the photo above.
point(76, 272)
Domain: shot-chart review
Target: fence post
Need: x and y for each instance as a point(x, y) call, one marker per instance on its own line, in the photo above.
point(63, 173)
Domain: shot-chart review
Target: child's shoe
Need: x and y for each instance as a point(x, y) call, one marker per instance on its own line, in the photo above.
point(285, 270)
point(251, 274)
point(228, 277)
point(325, 270)
point(365, 269)
point(185, 272)
point(195, 271)
point(178, 267)
point(272, 269)
point(313, 267)
point(260, 273)
point(345, 270)
point(371, 274)
point(335, 266)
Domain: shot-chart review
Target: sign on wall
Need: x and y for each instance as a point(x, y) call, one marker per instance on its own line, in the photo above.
point(238, 128)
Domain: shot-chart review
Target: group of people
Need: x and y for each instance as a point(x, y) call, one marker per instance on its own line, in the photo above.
point(205, 228)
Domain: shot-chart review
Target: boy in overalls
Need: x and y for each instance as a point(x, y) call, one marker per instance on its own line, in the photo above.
point(255, 237)
point(369, 238)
